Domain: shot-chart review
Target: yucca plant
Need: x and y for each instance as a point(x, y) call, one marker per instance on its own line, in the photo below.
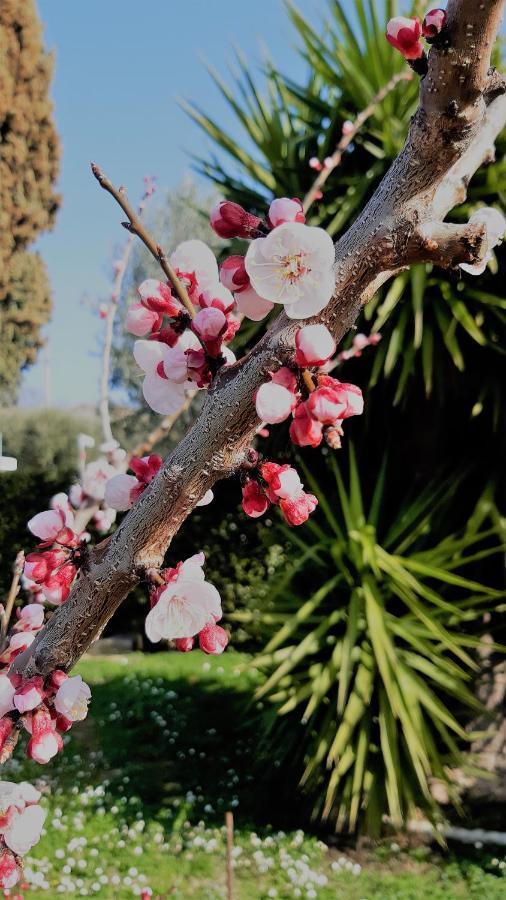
point(369, 680)
point(426, 319)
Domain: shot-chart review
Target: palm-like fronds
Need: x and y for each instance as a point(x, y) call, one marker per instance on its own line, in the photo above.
point(371, 673)
point(438, 319)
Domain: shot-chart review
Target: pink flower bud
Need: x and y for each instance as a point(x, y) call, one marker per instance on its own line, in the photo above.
point(327, 405)
point(230, 220)
point(254, 500)
point(141, 321)
point(39, 566)
point(404, 34)
point(305, 431)
point(146, 467)
point(274, 403)
point(213, 639)
point(210, 325)
point(233, 274)
point(157, 297)
point(315, 345)
point(10, 873)
point(56, 679)
point(102, 311)
point(30, 618)
point(314, 163)
point(433, 23)
point(297, 510)
point(348, 394)
point(57, 587)
point(328, 162)
point(347, 128)
point(285, 210)
point(219, 297)
point(184, 645)
point(72, 698)
point(45, 741)
point(30, 695)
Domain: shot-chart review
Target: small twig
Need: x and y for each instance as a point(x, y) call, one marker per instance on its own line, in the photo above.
point(229, 825)
point(347, 138)
point(135, 226)
point(13, 592)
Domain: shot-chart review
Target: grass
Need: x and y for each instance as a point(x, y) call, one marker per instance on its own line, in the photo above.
point(138, 799)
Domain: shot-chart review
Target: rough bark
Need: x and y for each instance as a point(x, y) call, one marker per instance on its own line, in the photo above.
point(462, 109)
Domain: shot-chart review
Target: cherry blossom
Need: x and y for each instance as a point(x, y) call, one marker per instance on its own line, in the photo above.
point(196, 261)
point(284, 210)
point(404, 34)
point(184, 645)
point(72, 699)
point(254, 499)
point(433, 23)
point(251, 305)
point(305, 430)
point(7, 691)
point(163, 395)
point(122, 491)
point(25, 830)
point(275, 400)
point(29, 695)
point(213, 639)
point(233, 274)
point(95, 477)
point(293, 265)
point(314, 345)
point(158, 298)
point(45, 741)
point(29, 618)
point(230, 220)
point(10, 873)
point(140, 321)
point(184, 606)
point(48, 525)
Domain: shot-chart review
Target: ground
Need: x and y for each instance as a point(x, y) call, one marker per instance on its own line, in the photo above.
point(139, 796)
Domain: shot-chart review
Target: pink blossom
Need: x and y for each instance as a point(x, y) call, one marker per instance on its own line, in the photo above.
point(433, 23)
point(196, 264)
point(29, 695)
point(210, 326)
point(254, 499)
point(76, 495)
point(183, 608)
point(146, 467)
point(39, 566)
point(348, 394)
point(286, 377)
point(72, 699)
point(184, 645)
point(25, 830)
point(10, 873)
point(95, 478)
point(404, 34)
point(219, 297)
point(157, 297)
point(284, 210)
point(326, 405)
point(233, 274)
point(6, 729)
point(45, 741)
point(141, 321)
point(314, 163)
point(47, 525)
point(104, 518)
point(297, 510)
point(230, 220)
point(347, 128)
point(163, 395)
point(314, 345)
point(213, 639)
point(274, 403)
point(17, 644)
point(251, 305)
point(206, 499)
point(7, 691)
point(305, 430)
point(57, 587)
point(30, 618)
point(329, 162)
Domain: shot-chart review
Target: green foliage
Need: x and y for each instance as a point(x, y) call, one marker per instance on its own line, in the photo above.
point(427, 319)
point(29, 162)
point(370, 675)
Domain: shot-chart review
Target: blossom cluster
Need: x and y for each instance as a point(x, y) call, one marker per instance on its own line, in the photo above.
point(329, 401)
point(21, 822)
point(281, 486)
point(405, 34)
point(45, 709)
point(184, 606)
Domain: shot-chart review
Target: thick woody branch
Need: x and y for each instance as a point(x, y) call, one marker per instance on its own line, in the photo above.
point(449, 137)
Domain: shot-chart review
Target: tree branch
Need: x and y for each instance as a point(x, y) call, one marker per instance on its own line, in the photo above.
point(449, 137)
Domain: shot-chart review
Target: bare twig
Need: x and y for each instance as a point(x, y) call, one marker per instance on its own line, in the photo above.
point(13, 592)
point(135, 226)
point(335, 160)
point(450, 136)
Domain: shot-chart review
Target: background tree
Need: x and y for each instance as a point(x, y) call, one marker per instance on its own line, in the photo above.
point(29, 161)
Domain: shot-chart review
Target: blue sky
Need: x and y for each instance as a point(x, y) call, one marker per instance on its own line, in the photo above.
point(120, 67)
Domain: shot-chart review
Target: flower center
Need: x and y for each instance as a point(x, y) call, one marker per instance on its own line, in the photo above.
point(293, 267)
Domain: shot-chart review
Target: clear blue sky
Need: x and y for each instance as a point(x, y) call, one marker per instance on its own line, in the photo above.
point(120, 67)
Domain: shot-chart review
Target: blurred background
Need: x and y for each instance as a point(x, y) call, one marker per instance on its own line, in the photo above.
point(365, 682)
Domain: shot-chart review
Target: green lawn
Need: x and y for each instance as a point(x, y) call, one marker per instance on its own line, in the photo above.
point(138, 798)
